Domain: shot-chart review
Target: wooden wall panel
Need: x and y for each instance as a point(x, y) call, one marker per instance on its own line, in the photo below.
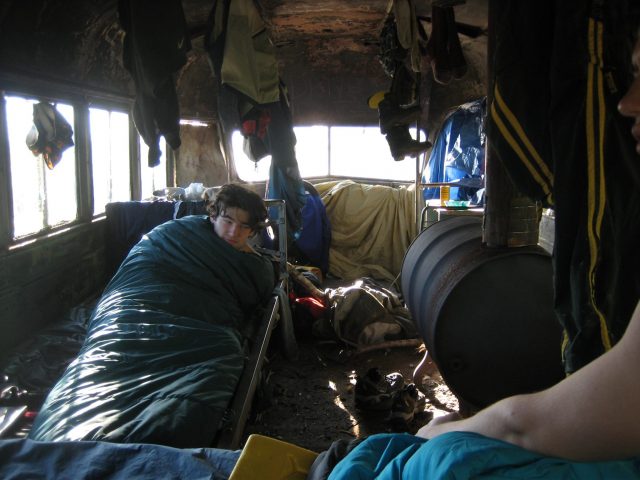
point(41, 281)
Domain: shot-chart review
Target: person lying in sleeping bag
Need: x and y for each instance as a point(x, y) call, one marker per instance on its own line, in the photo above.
point(167, 342)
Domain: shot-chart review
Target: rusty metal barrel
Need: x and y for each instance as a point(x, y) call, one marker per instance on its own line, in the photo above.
point(485, 314)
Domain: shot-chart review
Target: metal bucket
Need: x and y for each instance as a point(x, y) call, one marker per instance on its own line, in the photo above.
point(486, 315)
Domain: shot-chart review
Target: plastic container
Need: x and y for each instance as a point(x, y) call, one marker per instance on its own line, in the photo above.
point(445, 195)
point(271, 459)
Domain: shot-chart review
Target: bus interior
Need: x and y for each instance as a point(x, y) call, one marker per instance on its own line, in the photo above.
point(413, 226)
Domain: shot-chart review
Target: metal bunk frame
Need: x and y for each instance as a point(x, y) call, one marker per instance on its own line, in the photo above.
point(277, 310)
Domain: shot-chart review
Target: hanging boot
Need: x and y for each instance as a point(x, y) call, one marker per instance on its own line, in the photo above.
point(401, 144)
point(404, 87)
point(437, 46)
point(457, 62)
point(393, 115)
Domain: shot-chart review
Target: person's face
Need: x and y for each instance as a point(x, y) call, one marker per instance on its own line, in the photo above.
point(232, 226)
point(629, 106)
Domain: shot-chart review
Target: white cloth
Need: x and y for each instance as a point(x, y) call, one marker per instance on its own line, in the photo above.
point(372, 227)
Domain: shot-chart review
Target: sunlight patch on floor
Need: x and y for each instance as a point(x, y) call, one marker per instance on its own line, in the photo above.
point(340, 404)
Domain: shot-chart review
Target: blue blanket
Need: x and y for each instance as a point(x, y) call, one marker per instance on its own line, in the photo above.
point(165, 345)
point(462, 455)
point(28, 459)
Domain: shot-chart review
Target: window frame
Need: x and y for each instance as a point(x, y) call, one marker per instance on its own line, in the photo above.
point(109, 110)
point(81, 99)
point(331, 159)
point(143, 163)
point(44, 170)
point(6, 197)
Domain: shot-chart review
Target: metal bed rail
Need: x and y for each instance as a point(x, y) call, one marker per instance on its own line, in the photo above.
point(240, 408)
point(277, 311)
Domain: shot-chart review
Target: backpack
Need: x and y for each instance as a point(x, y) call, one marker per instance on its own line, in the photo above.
point(315, 238)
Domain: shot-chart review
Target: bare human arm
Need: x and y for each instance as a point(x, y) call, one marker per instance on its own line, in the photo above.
point(591, 415)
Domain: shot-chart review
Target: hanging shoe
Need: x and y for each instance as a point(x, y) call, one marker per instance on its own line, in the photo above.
point(375, 392)
point(402, 145)
point(405, 405)
point(392, 115)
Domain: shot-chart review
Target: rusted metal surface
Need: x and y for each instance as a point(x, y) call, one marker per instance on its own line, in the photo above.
point(486, 314)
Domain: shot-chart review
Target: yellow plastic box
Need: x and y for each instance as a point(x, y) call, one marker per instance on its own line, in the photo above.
point(271, 459)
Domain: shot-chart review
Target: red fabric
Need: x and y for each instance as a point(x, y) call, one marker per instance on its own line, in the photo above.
point(314, 306)
point(257, 127)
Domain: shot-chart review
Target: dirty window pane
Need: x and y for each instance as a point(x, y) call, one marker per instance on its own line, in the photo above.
point(247, 169)
point(355, 152)
point(312, 151)
point(109, 157)
point(363, 152)
point(312, 154)
point(152, 178)
point(41, 197)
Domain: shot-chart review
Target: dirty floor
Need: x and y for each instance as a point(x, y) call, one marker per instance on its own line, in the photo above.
point(310, 402)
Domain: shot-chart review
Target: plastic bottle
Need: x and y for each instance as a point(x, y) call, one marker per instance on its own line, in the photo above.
point(445, 193)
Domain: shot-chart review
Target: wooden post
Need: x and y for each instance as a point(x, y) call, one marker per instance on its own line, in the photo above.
point(135, 162)
point(84, 163)
point(510, 219)
point(6, 189)
point(498, 188)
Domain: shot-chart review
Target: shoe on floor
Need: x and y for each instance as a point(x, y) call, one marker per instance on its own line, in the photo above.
point(373, 391)
point(406, 403)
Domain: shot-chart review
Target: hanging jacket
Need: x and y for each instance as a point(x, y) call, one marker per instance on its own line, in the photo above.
point(155, 46)
point(560, 69)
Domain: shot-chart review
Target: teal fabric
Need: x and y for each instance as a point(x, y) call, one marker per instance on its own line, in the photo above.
point(461, 455)
point(165, 345)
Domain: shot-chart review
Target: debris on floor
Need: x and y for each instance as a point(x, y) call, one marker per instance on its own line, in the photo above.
point(313, 402)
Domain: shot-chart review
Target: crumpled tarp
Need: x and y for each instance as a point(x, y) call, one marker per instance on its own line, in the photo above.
point(458, 153)
point(164, 348)
point(36, 364)
point(372, 227)
point(365, 313)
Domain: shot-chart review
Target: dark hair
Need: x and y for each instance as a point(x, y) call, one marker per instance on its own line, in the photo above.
point(233, 195)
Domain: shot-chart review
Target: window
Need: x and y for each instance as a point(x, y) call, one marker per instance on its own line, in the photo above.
point(312, 151)
point(42, 198)
point(110, 157)
point(364, 152)
point(152, 178)
point(341, 151)
point(247, 169)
